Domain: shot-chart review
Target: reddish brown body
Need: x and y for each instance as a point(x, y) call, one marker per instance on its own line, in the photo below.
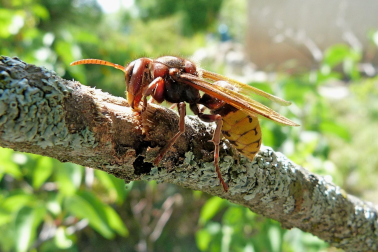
point(177, 80)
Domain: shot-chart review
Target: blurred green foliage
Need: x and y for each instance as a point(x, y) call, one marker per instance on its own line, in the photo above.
point(195, 15)
point(243, 230)
point(49, 206)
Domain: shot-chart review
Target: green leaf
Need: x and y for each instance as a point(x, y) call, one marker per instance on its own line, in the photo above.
point(85, 37)
point(61, 239)
point(115, 222)
point(26, 222)
point(119, 186)
point(325, 74)
point(16, 201)
point(5, 217)
point(107, 213)
point(7, 165)
point(115, 186)
point(268, 138)
point(296, 90)
point(203, 239)
point(336, 129)
point(211, 207)
point(6, 154)
point(65, 50)
point(23, 228)
point(68, 177)
point(6, 17)
point(40, 11)
point(275, 238)
point(11, 169)
point(42, 171)
point(233, 216)
point(54, 205)
point(336, 54)
point(91, 210)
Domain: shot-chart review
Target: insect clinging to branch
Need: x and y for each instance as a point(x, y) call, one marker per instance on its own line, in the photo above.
point(179, 81)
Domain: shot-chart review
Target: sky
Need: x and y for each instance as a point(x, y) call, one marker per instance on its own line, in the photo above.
point(110, 6)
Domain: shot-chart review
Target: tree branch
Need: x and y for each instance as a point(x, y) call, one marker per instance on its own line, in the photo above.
point(44, 114)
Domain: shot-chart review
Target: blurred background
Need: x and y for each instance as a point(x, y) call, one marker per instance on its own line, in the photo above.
point(320, 55)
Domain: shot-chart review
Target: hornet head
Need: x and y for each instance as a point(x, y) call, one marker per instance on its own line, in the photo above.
point(138, 74)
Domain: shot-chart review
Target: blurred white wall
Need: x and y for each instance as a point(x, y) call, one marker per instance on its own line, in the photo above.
point(282, 30)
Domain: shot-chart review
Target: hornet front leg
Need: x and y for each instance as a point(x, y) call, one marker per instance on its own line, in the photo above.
point(182, 113)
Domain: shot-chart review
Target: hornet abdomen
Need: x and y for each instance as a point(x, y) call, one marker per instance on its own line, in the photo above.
point(243, 131)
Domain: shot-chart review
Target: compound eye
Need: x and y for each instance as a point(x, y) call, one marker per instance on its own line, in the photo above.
point(138, 77)
point(128, 74)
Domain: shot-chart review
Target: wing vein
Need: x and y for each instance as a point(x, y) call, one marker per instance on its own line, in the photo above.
point(246, 88)
point(235, 99)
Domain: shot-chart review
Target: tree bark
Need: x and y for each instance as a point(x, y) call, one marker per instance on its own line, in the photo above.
point(44, 114)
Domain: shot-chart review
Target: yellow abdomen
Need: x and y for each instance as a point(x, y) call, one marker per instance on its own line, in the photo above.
point(243, 131)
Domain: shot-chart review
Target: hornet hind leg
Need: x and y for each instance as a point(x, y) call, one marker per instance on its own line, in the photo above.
point(216, 138)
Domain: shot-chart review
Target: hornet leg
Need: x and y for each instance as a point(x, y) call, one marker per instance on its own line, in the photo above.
point(182, 112)
point(156, 90)
point(216, 138)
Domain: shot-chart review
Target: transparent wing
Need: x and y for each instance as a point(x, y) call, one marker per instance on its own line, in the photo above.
point(233, 98)
point(244, 87)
